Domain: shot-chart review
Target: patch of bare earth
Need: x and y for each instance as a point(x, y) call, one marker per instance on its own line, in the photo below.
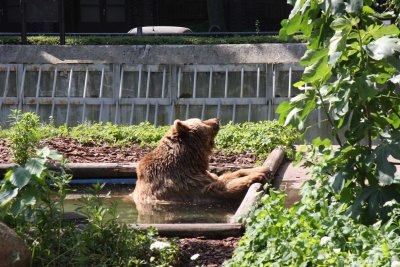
point(78, 152)
point(206, 252)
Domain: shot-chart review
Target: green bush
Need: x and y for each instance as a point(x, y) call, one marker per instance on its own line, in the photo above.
point(32, 201)
point(259, 138)
point(314, 232)
point(144, 40)
point(23, 135)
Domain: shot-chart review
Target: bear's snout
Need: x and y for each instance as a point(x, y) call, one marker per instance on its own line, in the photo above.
point(214, 123)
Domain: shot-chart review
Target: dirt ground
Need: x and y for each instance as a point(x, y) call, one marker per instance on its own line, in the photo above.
point(194, 251)
point(77, 152)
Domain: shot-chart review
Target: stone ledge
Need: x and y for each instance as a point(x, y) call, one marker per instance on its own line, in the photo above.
point(152, 54)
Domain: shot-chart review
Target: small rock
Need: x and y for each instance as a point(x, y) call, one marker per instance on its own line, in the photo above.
point(13, 251)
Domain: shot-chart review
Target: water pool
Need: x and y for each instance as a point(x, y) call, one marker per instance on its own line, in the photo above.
point(161, 213)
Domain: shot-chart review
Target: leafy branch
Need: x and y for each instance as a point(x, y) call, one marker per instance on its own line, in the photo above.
point(352, 70)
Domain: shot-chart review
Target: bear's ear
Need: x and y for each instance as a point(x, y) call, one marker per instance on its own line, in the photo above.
point(180, 127)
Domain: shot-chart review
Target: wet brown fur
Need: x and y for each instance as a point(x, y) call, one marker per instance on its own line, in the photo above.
point(177, 170)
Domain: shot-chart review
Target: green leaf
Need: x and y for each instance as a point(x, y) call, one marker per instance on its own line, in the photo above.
point(368, 10)
point(283, 35)
point(44, 152)
point(27, 198)
point(318, 71)
point(355, 210)
point(337, 182)
point(283, 109)
point(54, 155)
point(365, 91)
point(7, 195)
point(384, 47)
point(386, 170)
point(293, 24)
point(20, 177)
point(35, 166)
point(292, 116)
point(340, 24)
point(378, 31)
point(312, 56)
point(337, 45)
point(48, 153)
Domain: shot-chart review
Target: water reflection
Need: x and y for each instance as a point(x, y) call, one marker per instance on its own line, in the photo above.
point(163, 213)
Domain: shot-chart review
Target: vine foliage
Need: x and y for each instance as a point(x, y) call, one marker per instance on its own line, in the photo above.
point(352, 75)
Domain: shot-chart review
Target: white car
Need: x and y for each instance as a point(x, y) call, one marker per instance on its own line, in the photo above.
point(161, 30)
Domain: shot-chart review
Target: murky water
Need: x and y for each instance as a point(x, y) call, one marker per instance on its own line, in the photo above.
point(177, 213)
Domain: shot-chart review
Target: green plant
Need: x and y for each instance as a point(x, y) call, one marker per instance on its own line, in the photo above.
point(257, 26)
point(314, 232)
point(349, 212)
point(351, 72)
point(23, 135)
point(259, 138)
point(144, 40)
point(32, 201)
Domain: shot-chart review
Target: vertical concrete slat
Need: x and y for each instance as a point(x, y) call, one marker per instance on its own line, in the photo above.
point(3, 119)
point(139, 80)
point(187, 111)
point(210, 83)
point(84, 95)
point(163, 82)
point(203, 109)
point(101, 95)
point(38, 90)
point(258, 82)
point(5, 86)
point(249, 112)
point(234, 113)
point(268, 88)
point(155, 114)
point(219, 109)
point(69, 95)
point(226, 83)
point(132, 112)
point(117, 118)
point(21, 83)
point(241, 81)
point(179, 83)
point(148, 82)
point(194, 82)
point(53, 92)
point(147, 109)
point(173, 90)
point(116, 91)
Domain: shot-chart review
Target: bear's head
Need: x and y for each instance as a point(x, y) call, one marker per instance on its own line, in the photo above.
point(196, 129)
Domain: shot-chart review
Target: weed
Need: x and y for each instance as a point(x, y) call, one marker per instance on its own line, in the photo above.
point(23, 135)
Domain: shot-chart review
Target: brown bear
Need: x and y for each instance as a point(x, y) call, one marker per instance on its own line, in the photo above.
point(177, 170)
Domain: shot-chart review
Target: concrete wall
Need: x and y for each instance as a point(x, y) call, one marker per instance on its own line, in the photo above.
point(152, 54)
point(151, 82)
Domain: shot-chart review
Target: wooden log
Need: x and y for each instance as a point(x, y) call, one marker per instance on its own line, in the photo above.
point(248, 202)
point(112, 170)
point(209, 230)
point(274, 160)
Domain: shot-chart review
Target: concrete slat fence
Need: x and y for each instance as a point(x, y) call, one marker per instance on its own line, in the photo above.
point(130, 94)
point(131, 84)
